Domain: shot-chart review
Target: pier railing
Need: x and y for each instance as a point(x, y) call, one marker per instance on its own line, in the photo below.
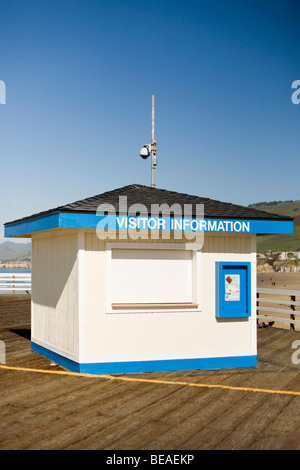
point(273, 305)
point(15, 282)
point(278, 305)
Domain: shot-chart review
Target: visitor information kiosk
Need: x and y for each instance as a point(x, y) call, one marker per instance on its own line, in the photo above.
point(140, 279)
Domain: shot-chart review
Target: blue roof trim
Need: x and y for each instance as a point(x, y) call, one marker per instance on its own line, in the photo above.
point(35, 225)
point(93, 221)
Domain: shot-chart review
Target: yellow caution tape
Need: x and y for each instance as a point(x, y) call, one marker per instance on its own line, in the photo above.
point(152, 381)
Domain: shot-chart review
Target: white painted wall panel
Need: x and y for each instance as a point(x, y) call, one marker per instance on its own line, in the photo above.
point(168, 335)
point(151, 276)
point(54, 293)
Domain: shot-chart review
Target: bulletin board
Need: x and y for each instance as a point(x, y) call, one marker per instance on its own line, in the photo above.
point(233, 289)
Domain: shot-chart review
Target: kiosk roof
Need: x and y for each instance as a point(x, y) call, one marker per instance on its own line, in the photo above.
point(146, 195)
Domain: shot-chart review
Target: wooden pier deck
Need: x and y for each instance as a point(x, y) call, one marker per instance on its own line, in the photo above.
point(48, 409)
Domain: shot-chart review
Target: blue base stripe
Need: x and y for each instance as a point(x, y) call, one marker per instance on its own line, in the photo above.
point(134, 367)
point(57, 358)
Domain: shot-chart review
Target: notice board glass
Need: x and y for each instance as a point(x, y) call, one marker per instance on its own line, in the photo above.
point(233, 289)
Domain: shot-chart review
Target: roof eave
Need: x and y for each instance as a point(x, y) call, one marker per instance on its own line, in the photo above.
point(88, 220)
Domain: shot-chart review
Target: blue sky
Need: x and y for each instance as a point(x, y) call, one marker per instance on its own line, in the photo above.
point(79, 78)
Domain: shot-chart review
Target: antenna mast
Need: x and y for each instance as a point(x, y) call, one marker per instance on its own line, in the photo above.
point(151, 149)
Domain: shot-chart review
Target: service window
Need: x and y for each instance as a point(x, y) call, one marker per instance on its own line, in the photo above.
point(149, 279)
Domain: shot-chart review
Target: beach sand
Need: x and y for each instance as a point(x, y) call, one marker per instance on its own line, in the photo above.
point(279, 280)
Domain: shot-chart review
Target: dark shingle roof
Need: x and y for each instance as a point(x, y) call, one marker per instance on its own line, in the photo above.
point(147, 195)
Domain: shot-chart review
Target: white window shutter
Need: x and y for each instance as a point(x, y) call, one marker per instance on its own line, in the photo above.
point(151, 276)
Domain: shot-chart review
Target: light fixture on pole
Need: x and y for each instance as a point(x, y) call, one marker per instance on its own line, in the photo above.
point(150, 149)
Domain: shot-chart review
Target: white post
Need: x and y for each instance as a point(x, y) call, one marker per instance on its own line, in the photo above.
point(80, 293)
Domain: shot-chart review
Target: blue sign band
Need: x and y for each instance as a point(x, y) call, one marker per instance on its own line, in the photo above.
point(94, 221)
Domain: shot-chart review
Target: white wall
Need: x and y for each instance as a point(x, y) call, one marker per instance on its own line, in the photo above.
point(109, 337)
point(54, 292)
point(69, 305)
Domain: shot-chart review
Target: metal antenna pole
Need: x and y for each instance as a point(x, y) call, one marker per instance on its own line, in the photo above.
point(153, 148)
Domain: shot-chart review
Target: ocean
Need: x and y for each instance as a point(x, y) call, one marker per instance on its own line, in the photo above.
point(13, 271)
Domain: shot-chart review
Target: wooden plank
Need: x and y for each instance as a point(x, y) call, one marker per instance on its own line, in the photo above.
point(57, 416)
point(282, 292)
point(276, 301)
point(14, 288)
point(151, 305)
point(14, 276)
point(283, 320)
point(256, 426)
point(39, 411)
point(277, 310)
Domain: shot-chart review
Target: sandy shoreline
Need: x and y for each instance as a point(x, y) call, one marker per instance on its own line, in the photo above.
point(279, 280)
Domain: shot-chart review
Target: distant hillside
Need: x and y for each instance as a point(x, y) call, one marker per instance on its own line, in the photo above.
point(280, 242)
point(11, 251)
point(289, 208)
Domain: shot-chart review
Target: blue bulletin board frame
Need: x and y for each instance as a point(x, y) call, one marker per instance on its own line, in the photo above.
point(240, 307)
